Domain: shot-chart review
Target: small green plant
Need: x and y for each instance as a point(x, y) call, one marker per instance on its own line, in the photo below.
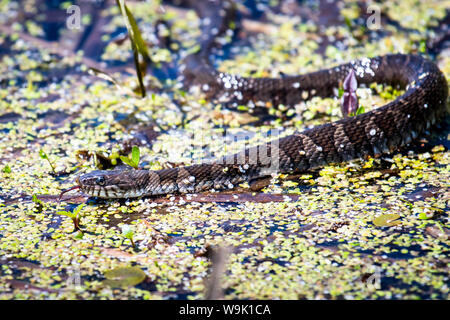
point(79, 235)
point(428, 214)
point(128, 232)
point(135, 157)
point(359, 111)
point(44, 156)
point(75, 215)
point(348, 23)
point(38, 203)
point(422, 46)
point(6, 169)
point(425, 216)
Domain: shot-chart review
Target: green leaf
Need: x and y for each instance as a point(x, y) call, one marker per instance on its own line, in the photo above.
point(73, 215)
point(139, 72)
point(6, 169)
point(422, 46)
point(137, 43)
point(38, 203)
point(127, 161)
point(78, 209)
point(127, 231)
point(123, 277)
point(42, 154)
point(360, 110)
point(348, 22)
point(386, 220)
point(67, 214)
point(35, 199)
point(79, 235)
point(425, 216)
point(133, 30)
point(135, 155)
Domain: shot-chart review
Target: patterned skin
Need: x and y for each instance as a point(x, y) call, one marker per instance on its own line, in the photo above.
point(380, 131)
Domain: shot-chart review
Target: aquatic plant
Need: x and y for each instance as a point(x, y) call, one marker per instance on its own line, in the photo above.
point(132, 161)
point(75, 215)
point(128, 232)
point(44, 156)
point(137, 43)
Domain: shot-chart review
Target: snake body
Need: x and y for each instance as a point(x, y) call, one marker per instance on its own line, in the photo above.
point(380, 131)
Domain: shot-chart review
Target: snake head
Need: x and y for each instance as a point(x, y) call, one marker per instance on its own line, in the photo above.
point(113, 183)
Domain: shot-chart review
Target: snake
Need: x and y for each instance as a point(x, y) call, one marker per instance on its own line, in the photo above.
point(381, 131)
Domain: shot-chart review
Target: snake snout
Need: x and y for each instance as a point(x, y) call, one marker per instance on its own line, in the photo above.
point(111, 184)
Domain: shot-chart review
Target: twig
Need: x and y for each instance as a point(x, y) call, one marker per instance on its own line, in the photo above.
point(218, 259)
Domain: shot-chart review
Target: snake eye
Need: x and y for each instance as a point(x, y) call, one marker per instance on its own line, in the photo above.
point(100, 181)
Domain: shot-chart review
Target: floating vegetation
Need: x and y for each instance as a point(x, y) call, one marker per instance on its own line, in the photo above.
point(124, 277)
point(6, 169)
point(39, 204)
point(386, 220)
